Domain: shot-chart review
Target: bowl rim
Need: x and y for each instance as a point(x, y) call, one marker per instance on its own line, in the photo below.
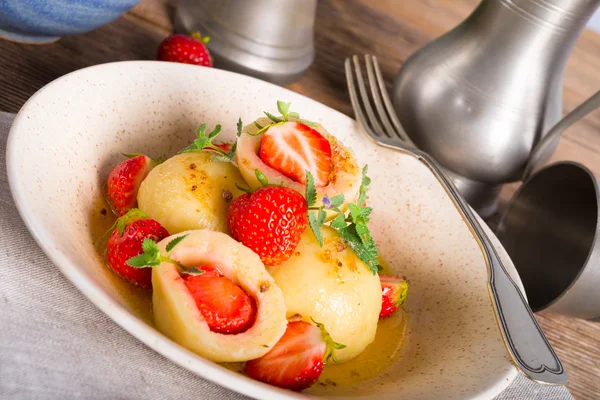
point(174, 352)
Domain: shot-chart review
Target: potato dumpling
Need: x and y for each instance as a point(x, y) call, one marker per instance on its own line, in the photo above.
point(190, 191)
point(177, 316)
point(345, 176)
point(334, 287)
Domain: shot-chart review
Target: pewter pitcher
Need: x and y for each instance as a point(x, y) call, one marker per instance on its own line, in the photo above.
point(480, 97)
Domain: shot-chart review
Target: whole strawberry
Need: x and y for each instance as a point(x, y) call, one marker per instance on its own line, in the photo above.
point(125, 242)
point(270, 221)
point(185, 49)
point(124, 182)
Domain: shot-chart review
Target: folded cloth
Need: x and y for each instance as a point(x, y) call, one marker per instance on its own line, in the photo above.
point(55, 344)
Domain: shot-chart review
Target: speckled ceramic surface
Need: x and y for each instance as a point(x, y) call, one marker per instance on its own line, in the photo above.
point(66, 138)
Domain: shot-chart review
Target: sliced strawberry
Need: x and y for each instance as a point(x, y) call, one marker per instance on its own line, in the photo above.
point(125, 242)
point(394, 291)
point(223, 304)
point(297, 360)
point(124, 182)
point(292, 148)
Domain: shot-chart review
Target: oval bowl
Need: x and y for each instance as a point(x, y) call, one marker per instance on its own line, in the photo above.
point(67, 137)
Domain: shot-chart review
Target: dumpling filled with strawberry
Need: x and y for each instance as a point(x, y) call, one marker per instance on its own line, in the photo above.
point(284, 148)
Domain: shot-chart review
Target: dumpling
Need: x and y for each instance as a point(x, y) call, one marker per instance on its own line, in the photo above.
point(331, 285)
point(190, 191)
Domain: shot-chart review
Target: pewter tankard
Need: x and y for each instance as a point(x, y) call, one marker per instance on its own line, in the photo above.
point(269, 39)
point(480, 97)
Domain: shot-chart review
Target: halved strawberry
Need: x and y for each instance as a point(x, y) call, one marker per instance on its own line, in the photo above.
point(394, 291)
point(125, 242)
point(297, 360)
point(292, 148)
point(223, 304)
point(124, 182)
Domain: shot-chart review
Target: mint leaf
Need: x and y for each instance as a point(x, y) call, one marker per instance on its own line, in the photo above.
point(174, 243)
point(315, 226)
point(239, 127)
point(283, 109)
point(354, 212)
point(261, 177)
point(366, 181)
point(143, 261)
point(227, 157)
point(293, 115)
point(215, 132)
point(150, 247)
point(192, 271)
point(191, 147)
point(273, 118)
point(338, 200)
point(311, 191)
point(339, 222)
point(367, 253)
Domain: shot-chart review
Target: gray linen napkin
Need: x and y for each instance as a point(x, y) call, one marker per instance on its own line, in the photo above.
point(55, 344)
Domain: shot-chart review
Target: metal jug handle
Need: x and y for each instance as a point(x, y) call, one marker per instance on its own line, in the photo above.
point(578, 113)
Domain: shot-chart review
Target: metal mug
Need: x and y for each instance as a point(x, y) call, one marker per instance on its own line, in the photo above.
point(269, 39)
point(551, 230)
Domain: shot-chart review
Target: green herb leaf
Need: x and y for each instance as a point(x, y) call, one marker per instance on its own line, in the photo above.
point(243, 189)
point(283, 109)
point(174, 243)
point(273, 118)
point(338, 200)
point(366, 181)
point(215, 132)
point(311, 191)
point(227, 157)
point(192, 271)
point(354, 212)
point(259, 126)
point(131, 155)
point(315, 226)
point(261, 177)
point(293, 115)
point(150, 247)
point(239, 127)
point(362, 243)
point(339, 222)
point(142, 261)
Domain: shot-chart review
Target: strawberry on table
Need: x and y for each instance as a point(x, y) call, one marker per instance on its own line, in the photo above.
point(394, 292)
point(292, 148)
point(297, 360)
point(126, 241)
point(270, 221)
point(223, 304)
point(124, 182)
point(185, 49)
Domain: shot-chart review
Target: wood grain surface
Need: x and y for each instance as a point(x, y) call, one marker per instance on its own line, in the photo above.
point(389, 29)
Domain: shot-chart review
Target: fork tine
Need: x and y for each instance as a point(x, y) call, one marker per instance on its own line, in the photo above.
point(388, 104)
point(376, 93)
point(358, 112)
point(365, 97)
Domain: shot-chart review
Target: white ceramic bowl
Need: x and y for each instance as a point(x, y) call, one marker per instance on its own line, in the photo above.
point(67, 137)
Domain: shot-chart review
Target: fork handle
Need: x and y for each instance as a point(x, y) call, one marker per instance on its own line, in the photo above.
point(524, 339)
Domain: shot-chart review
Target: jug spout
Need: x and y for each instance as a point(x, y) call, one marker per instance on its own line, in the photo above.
point(480, 97)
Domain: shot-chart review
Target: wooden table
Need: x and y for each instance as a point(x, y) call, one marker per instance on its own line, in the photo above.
point(390, 29)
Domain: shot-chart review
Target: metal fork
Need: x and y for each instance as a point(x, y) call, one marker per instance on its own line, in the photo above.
point(526, 343)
